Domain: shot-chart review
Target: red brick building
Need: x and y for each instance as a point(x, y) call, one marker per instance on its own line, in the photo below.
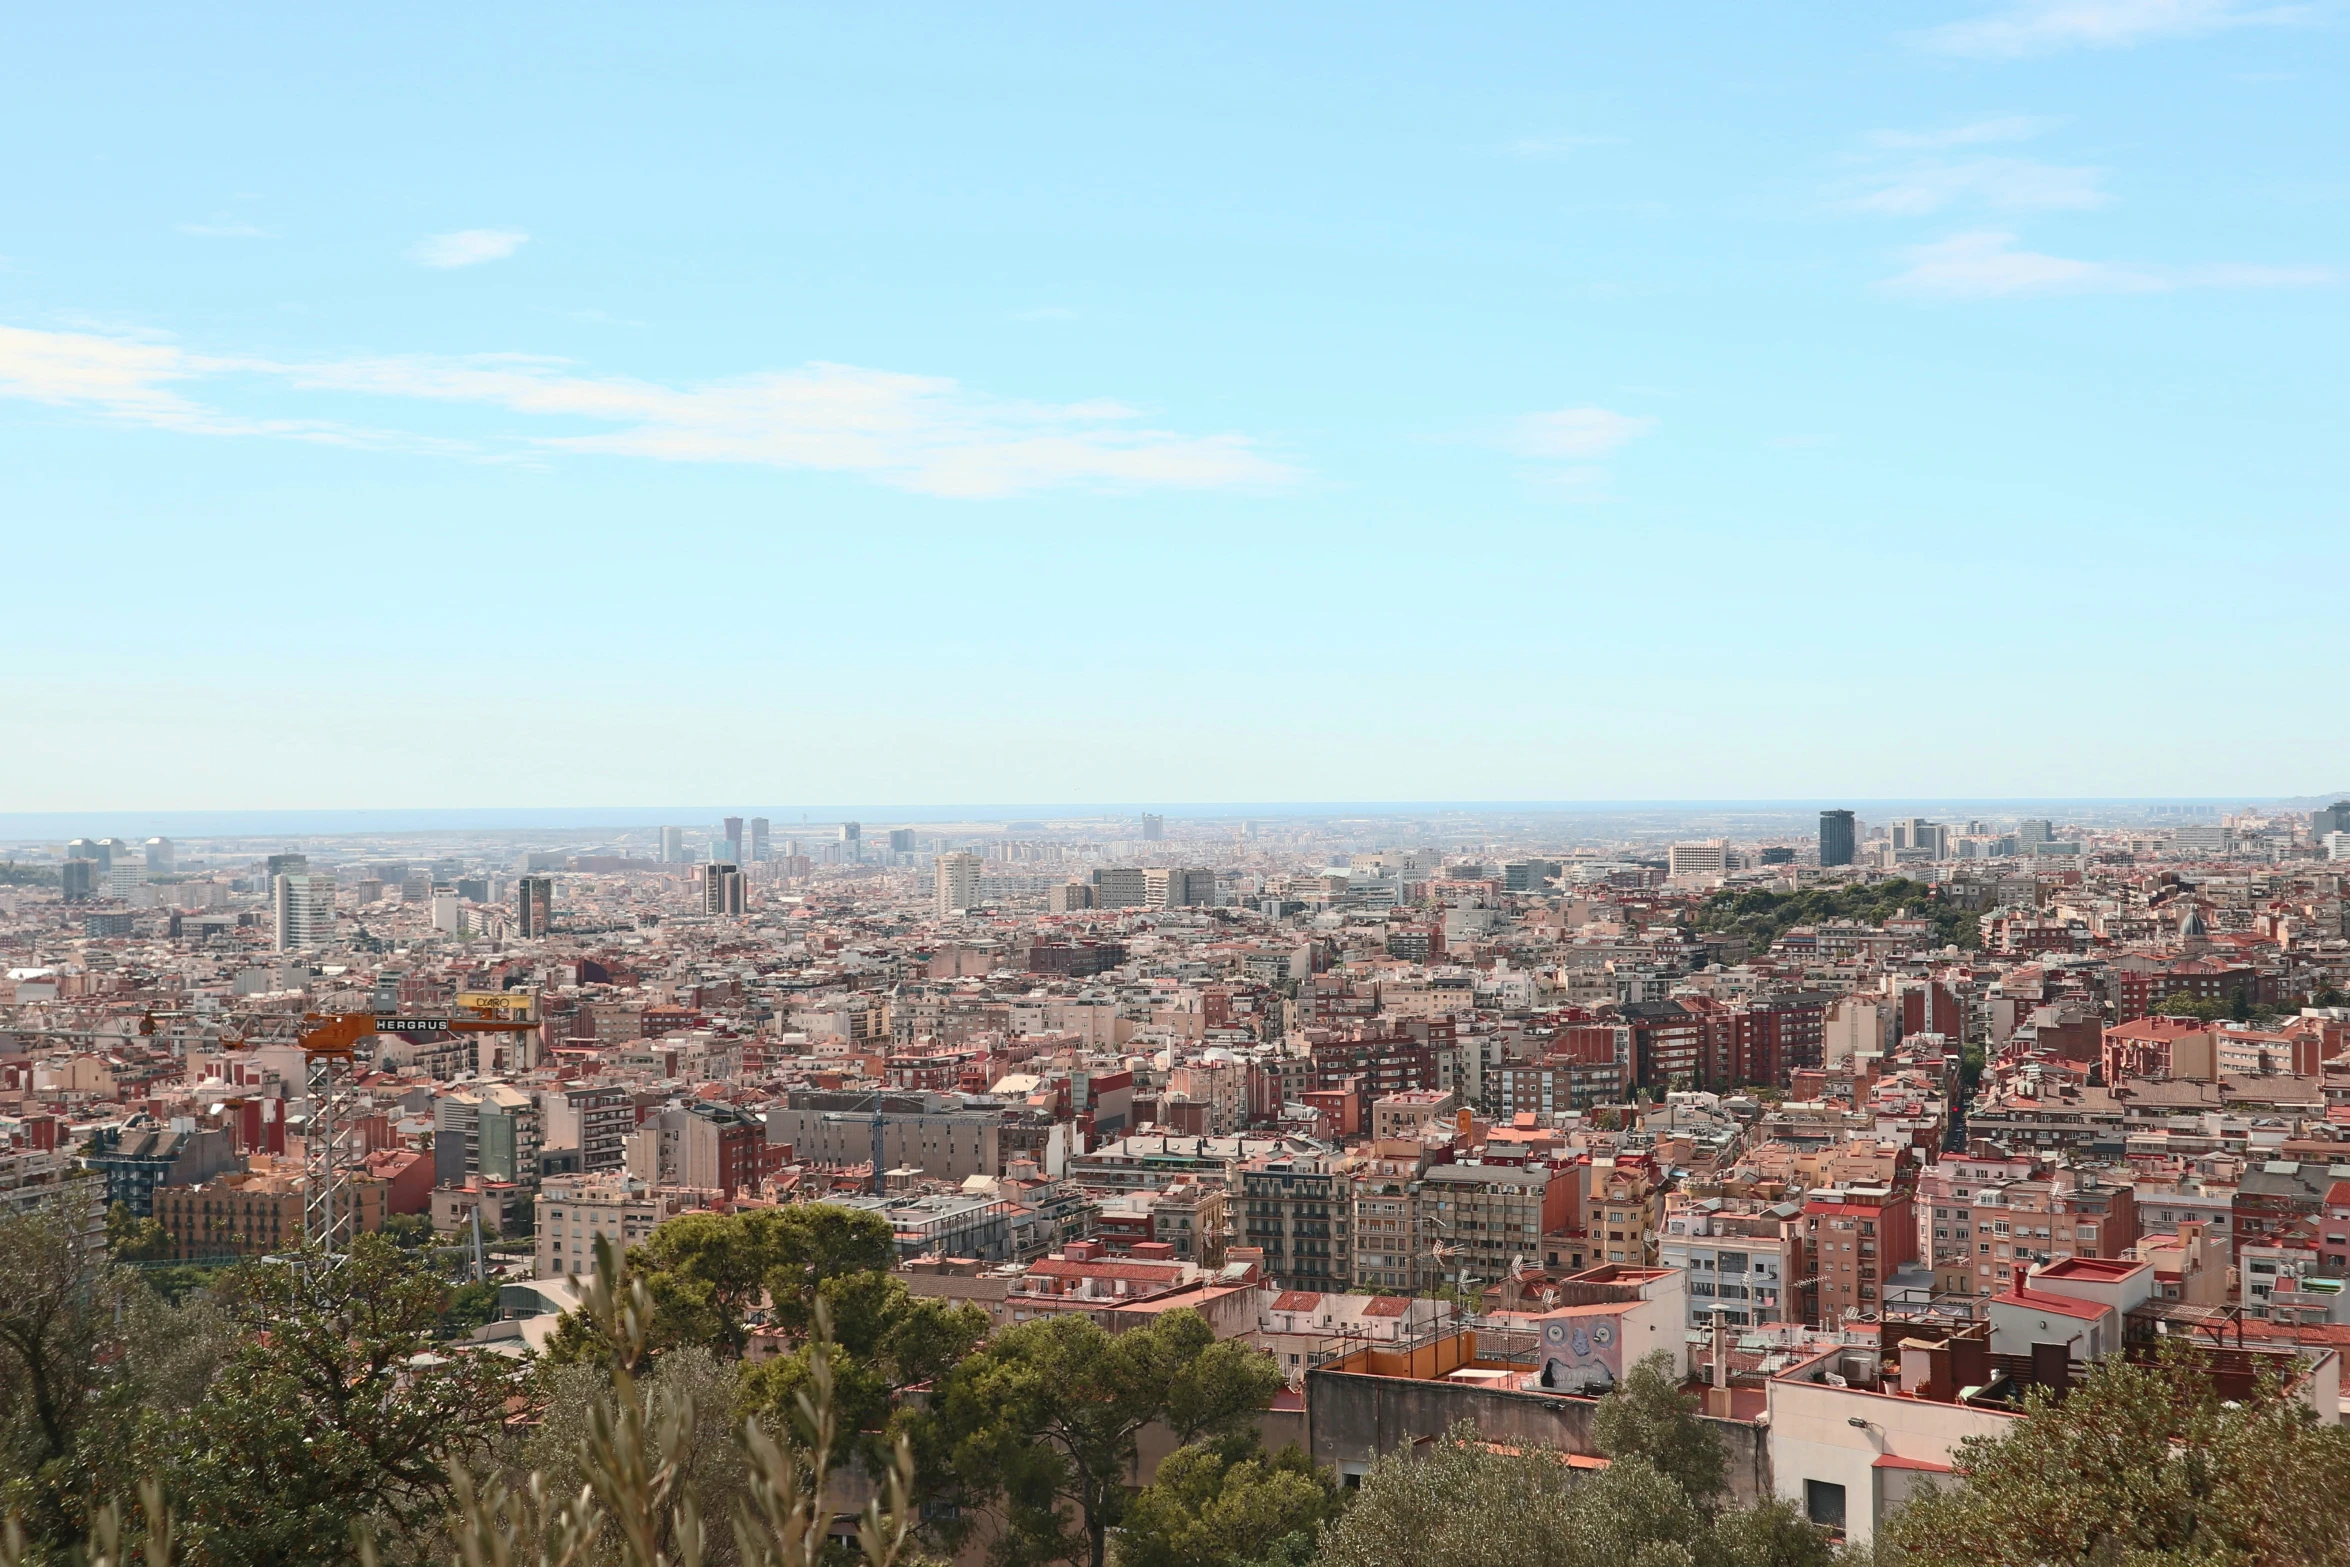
point(1854, 1239)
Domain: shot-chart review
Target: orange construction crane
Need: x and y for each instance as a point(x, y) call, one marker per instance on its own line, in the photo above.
point(338, 1033)
point(330, 1043)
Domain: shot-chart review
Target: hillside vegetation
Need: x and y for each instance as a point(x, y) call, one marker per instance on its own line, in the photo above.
point(1763, 916)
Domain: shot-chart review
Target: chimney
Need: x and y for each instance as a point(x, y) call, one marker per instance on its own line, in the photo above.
point(1717, 1397)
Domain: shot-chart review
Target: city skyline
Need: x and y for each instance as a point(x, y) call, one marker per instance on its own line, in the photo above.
point(658, 825)
point(1501, 404)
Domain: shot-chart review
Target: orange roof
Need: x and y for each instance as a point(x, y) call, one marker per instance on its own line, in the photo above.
point(2062, 1305)
point(1144, 1272)
point(1297, 1300)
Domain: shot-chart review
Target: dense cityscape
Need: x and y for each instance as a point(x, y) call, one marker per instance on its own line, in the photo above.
point(1041, 785)
point(1874, 1135)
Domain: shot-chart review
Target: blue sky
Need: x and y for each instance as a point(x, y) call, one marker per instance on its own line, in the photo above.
point(567, 406)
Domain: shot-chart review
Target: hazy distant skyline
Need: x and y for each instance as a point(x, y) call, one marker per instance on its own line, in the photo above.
point(1918, 401)
point(1393, 820)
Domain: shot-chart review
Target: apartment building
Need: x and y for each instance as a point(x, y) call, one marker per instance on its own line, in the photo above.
point(1742, 1259)
point(255, 1213)
point(1384, 1196)
point(1297, 1211)
point(595, 1120)
point(1957, 1200)
point(1855, 1237)
point(573, 1211)
point(1627, 1214)
point(1484, 1219)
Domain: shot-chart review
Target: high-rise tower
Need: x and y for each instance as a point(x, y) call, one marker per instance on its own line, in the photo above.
point(1839, 838)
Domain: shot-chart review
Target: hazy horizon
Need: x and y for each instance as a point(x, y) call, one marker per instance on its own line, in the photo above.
point(41, 826)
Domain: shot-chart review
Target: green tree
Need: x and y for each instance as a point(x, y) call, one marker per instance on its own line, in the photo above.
point(1771, 1533)
point(133, 1239)
point(60, 1334)
point(706, 1272)
point(411, 1230)
point(1042, 1422)
point(176, 1284)
point(1763, 916)
point(706, 1446)
point(1648, 1417)
point(1460, 1502)
point(640, 1501)
point(2180, 1004)
point(2144, 1465)
point(884, 1340)
point(1225, 1504)
point(336, 1405)
point(471, 1305)
point(640, 1504)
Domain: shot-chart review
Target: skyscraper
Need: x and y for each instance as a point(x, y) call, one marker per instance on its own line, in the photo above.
point(901, 840)
point(733, 830)
point(302, 908)
point(79, 879)
point(160, 854)
point(957, 883)
point(722, 891)
point(1153, 827)
point(534, 906)
point(757, 844)
point(89, 849)
point(1839, 838)
point(2334, 818)
point(672, 845)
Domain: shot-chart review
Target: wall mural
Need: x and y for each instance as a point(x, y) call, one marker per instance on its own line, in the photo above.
point(1583, 1353)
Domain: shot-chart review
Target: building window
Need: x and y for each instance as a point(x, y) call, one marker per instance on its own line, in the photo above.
point(1823, 1504)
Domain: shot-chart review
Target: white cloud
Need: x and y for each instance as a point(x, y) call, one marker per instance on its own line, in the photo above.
point(2042, 26)
point(2005, 184)
point(1575, 432)
point(134, 379)
point(1988, 266)
point(1559, 145)
point(1899, 176)
point(1574, 483)
point(466, 247)
point(922, 433)
point(2008, 127)
point(80, 367)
